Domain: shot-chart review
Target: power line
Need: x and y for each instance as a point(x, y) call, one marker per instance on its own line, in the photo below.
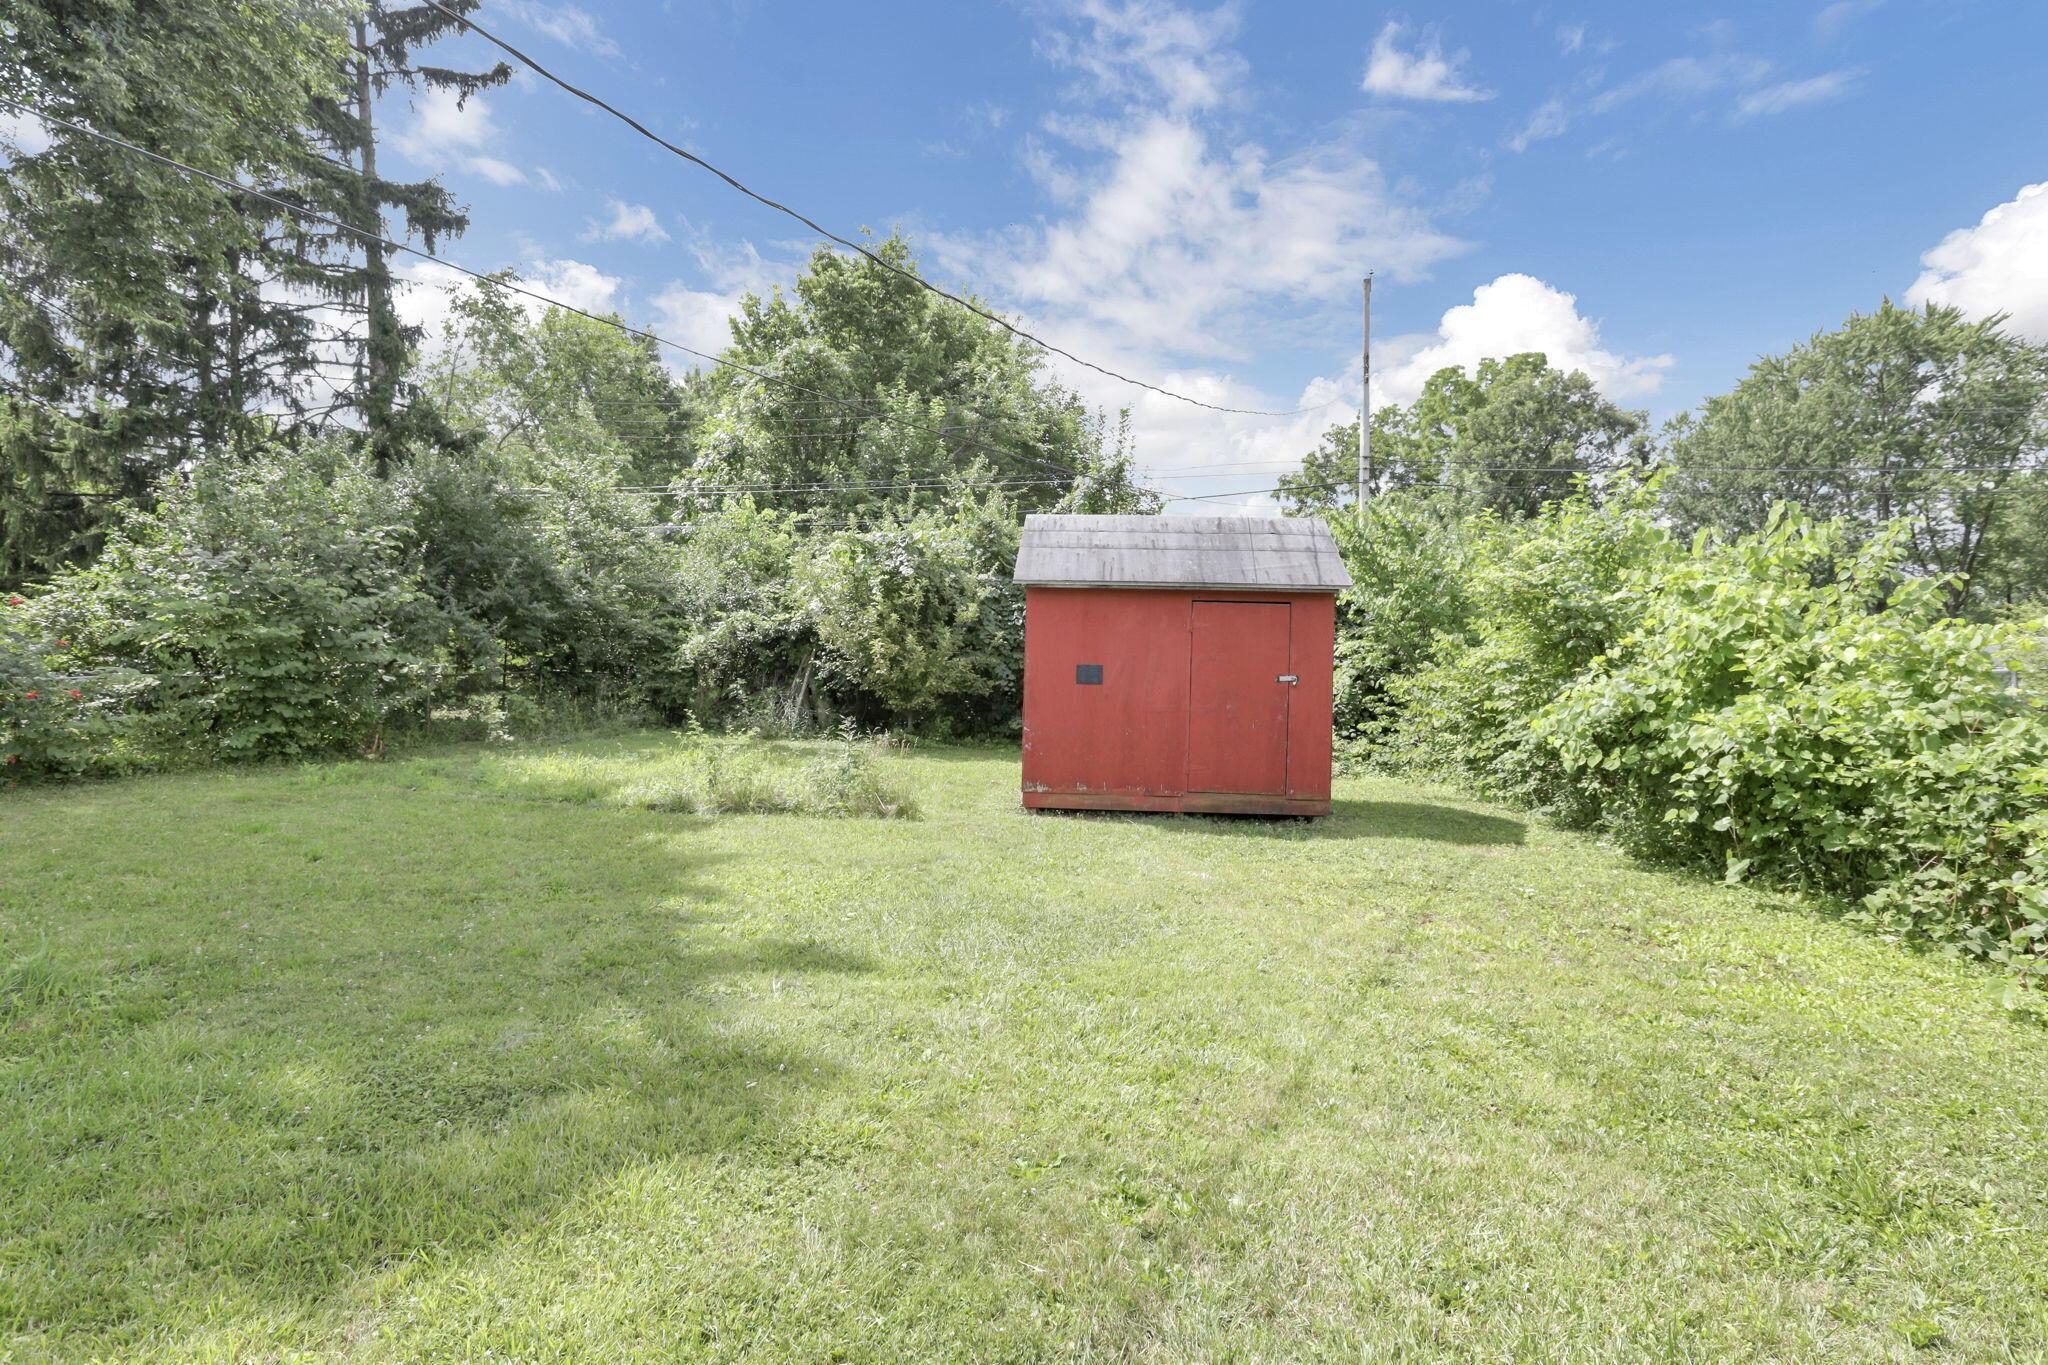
point(2008, 490)
point(1440, 466)
point(860, 486)
point(827, 233)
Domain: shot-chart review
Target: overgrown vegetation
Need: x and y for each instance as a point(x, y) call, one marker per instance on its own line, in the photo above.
point(844, 777)
point(291, 601)
point(1790, 705)
point(1673, 652)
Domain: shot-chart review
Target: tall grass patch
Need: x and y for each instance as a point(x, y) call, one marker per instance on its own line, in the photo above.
point(849, 777)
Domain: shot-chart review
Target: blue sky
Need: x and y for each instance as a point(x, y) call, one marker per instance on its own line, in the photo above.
point(1654, 193)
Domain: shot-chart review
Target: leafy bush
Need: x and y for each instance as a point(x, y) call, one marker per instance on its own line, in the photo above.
point(915, 614)
point(269, 605)
point(745, 639)
point(1409, 555)
point(56, 720)
point(1788, 707)
point(1547, 596)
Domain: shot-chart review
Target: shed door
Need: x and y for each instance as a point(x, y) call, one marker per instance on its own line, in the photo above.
point(1237, 698)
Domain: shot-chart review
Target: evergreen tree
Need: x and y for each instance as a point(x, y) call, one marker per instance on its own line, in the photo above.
point(352, 270)
point(140, 323)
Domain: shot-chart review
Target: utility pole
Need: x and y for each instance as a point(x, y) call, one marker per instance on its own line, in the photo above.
point(383, 345)
point(1365, 470)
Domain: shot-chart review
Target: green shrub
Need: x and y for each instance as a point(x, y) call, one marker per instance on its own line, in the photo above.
point(1547, 596)
point(916, 615)
point(269, 605)
point(57, 718)
point(745, 649)
point(1410, 555)
point(545, 571)
point(1787, 707)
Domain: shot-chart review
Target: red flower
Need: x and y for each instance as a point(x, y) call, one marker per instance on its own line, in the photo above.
point(76, 694)
point(64, 642)
point(14, 601)
point(13, 759)
point(31, 696)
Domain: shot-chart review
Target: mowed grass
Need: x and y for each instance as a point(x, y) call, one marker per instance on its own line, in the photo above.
point(467, 1056)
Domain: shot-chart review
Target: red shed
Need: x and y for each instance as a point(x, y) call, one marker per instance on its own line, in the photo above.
point(1178, 663)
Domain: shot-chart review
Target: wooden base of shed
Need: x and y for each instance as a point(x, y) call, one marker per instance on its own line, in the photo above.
point(1190, 803)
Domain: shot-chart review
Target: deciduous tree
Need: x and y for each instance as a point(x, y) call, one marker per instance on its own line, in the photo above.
point(1924, 415)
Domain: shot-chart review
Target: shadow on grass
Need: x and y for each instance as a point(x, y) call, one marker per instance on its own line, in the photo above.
point(1418, 820)
point(1347, 820)
point(308, 1035)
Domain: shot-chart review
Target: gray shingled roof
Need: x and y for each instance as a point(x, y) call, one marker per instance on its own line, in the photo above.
point(1296, 553)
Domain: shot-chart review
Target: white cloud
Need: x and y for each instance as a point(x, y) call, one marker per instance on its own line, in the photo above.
point(1175, 238)
point(1776, 99)
point(1571, 38)
point(700, 317)
point(24, 133)
point(1832, 19)
point(575, 283)
point(1143, 49)
point(444, 121)
point(449, 131)
point(1684, 79)
point(1515, 313)
point(1551, 119)
point(628, 223)
point(424, 297)
point(566, 24)
point(1421, 73)
point(1998, 266)
point(1700, 80)
point(1173, 242)
point(1186, 449)
point(1175, 248)
point(496, 171)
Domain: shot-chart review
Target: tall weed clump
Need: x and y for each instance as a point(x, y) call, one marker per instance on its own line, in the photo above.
point(1788, 706)
point(843, 778)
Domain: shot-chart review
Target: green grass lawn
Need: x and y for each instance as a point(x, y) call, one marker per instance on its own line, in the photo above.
point(459, 1055)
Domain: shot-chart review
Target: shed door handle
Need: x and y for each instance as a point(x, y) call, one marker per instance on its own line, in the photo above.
point(1288, 678)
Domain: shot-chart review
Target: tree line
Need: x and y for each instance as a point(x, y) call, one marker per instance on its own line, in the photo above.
point(818, 526)
point(1924, 418)
point(249, 512)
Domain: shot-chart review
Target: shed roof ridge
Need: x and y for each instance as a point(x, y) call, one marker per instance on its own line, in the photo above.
point(1082, 550)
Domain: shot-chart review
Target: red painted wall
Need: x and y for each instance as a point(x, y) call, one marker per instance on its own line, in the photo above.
point(1123, 744)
